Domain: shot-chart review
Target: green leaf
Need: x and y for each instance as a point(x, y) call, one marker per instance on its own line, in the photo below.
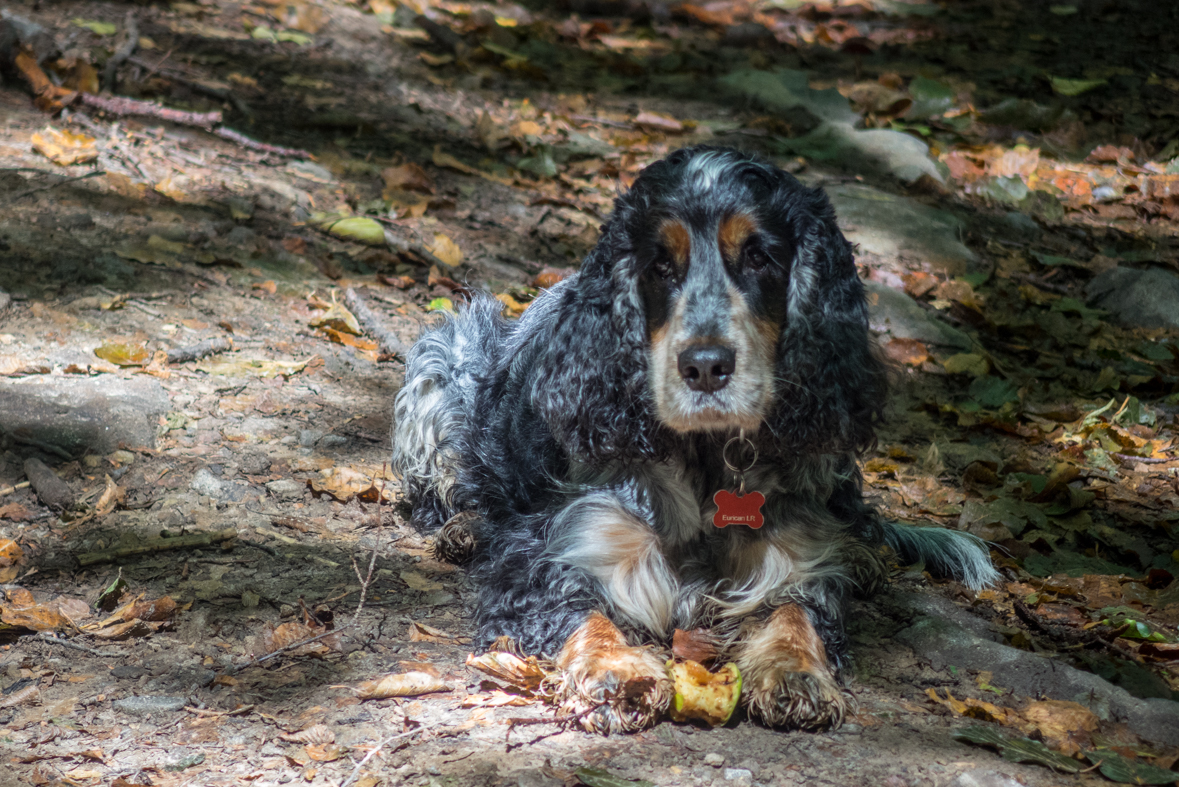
point(441, 305)
point(1115, 767)
point(597, 777)
point(993, 392)
point(1019, 749)
point(930, 98)
point(1075, 87)
point(98, 28)
point(294, 37)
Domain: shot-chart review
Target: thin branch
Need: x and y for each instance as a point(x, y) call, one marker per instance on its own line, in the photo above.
point(389, 343)
point(120, 105)
point(241, 139)
point(372, 753)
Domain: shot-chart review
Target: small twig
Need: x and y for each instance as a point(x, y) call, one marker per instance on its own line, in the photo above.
point(45, 636)
point(563, 721)
point(110, 73)
point(380, 745)
point(252, 144)
point(194, 352)
point(120, 105)
point(8, 490)
point(1059, 289)
point(1146, 460)
point(46, 187)
point(389, 344)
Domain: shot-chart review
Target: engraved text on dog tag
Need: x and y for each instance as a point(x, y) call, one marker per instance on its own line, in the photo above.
point(733, 509)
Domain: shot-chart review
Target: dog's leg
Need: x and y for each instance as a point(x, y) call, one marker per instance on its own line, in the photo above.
point(786, 676)
point(627, 688)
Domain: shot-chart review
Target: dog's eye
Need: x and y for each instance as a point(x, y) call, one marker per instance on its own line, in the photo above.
point(663, 266)
point(755, 258)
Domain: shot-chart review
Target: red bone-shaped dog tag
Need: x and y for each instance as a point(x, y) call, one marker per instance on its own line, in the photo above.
point(733, 509)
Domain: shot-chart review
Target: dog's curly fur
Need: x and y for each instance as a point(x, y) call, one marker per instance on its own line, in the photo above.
point(588, 437)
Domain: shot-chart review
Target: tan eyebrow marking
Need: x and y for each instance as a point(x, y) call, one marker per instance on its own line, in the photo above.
point(734, 231)
point(678, 241)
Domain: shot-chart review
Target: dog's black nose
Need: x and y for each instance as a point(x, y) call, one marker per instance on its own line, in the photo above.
point(707, 367)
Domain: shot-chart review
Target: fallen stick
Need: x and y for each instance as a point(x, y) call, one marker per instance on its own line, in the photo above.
point(119, 105)
point(8, 490)
point(389, 344)
point(246, 142)
point(190, 541)
point(54, 185)
point(110, 73)
point(50, 489)
point(194, 352)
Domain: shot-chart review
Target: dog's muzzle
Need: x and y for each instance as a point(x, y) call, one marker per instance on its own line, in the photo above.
point(707, 367)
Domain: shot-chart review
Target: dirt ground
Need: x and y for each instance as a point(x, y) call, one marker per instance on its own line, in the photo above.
point(491, 165)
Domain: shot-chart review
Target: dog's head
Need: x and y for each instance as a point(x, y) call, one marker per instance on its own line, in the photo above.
point(722, 296)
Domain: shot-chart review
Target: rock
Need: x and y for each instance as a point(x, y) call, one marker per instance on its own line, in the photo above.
point(984, 778)
point(893, 226)
point(205, 483)
point(945, 635)
point(5, 299)
point(537, 778)
point(714, 759)
point(144, 705)
point(738, 777)
point(836, 138)
point(895, 313)
point(1141, 298)
point(96, 414)
point(286, 489)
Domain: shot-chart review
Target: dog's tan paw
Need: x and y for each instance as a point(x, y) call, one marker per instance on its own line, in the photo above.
point(618, 688)
point(796, 700)
point(786, 680)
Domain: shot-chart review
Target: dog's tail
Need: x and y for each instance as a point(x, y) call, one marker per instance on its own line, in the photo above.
point(945, 552)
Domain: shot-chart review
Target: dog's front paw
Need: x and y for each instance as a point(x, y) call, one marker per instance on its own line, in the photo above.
point(612, 686)
point(797, 700)
point(786, 679)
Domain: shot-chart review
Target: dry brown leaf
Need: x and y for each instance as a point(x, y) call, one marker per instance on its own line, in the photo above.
point(337, 318)
point(977, 709)
point(315, 734)
point(657, 121)
point(15, 511)
point(496, 699)
point(420, 632)
point(22, 610)
point(345, 483)
point(157, 610)
point(325, 752)
point(522, 673)
point(405, 684)
point(287, 634)
point(1066, 726)
point(407, 177)
point(909, 352)
point(548, 277)
point(65, 147)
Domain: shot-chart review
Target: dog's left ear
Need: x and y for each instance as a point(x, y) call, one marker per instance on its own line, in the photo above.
point(831, 381)
point(591, 382)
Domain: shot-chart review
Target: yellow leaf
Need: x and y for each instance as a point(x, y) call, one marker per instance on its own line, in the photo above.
point(65, 147)
point(527, 128)
point(441, 305)
point(446, 250)
point(513, 306)
point(338, 318)
point(123, 354)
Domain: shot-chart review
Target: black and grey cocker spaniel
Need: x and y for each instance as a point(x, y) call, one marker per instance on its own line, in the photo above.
point(669, 440)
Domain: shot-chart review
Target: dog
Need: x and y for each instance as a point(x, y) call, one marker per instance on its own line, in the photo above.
point(669, 439)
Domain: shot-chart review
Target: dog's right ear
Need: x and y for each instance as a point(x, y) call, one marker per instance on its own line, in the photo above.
point(590, 384)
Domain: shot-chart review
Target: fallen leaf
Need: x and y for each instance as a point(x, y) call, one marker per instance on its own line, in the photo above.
point(252, 367)
point(513, 307)
point(657, 121)
point(910, 352)
point(65, 147)
point(417, 581)
point(407, 177)
point(124, 354)
point(405, 684)
point(359, 229)
point(346, 483)
point(523, 673)
point(338, 318)
point(446, 250)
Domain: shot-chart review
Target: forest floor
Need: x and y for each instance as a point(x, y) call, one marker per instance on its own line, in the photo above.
point(170, 528)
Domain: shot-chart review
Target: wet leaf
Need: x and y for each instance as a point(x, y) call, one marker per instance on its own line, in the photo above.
point(405, 684)
point(65, 147)
point(930, 98)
